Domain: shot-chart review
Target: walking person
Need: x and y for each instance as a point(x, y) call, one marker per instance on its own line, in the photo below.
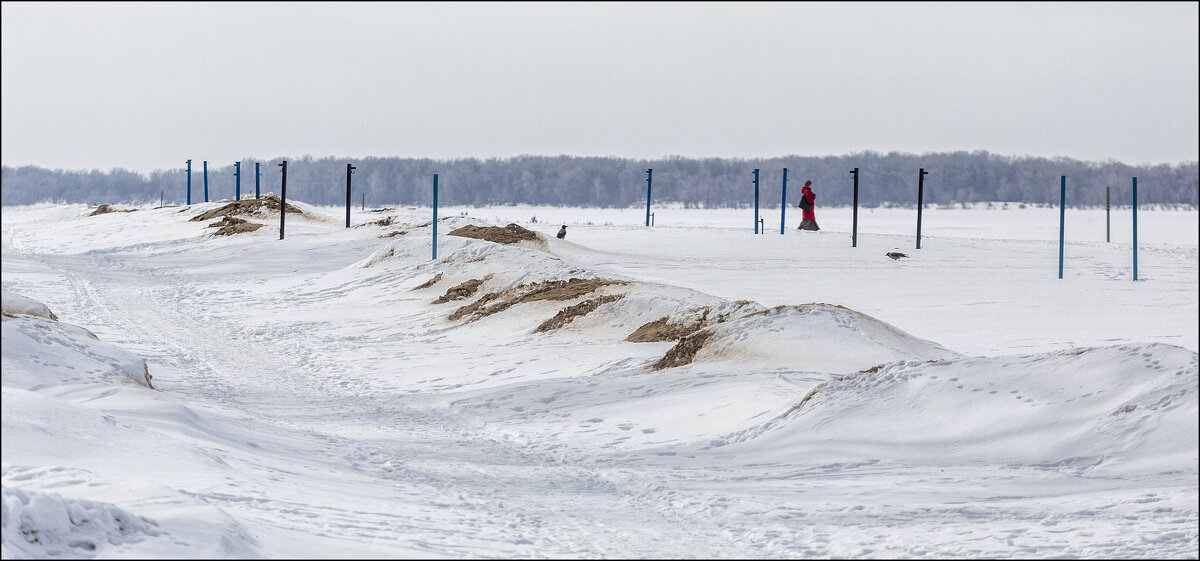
point(808, 200)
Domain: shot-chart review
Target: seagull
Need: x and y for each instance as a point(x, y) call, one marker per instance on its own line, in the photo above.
point(562, 232)
point(895, 255)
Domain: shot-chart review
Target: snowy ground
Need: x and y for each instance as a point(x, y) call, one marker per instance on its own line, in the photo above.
point(310, 399)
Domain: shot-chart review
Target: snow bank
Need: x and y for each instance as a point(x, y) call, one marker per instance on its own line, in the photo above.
point(14, 304)
point(39, 350)
point(1126, 407)
point(46, 525)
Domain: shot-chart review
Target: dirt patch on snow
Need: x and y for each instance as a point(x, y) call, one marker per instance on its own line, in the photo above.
point(495, 302)
point(106, 208)
point(690, 321)
point(688, 329)
point(382, 222)
point(566, 315)
point(507, 235)
point(230, 225)
point(684, 351)
point(248, 206)
point(462, 290)
point(661, 330)
point(430, 282)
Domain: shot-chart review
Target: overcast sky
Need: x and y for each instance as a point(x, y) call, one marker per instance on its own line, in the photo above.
point(146, 86)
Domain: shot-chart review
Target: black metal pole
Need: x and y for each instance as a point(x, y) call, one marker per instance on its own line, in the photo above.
point(349, 171)
point(649, 177)
point(1107, 215)
point(283, 199)
point(854, 234)
point(756, 222)
point(920, 203)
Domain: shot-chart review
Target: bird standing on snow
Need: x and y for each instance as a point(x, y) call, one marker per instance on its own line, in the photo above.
point(895, 255)
point(562, 232)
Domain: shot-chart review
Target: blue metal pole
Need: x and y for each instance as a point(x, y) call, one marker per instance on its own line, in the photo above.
point(189, 190)
point(756, 200)
point(649, 176)
point(237, 181)
point(783, 205)
point(257, 175)
point(1135, 228)
point(206, 181)
point(1062, 222)
point(435, 189)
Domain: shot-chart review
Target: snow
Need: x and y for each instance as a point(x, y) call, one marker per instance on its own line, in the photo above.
point(307, 398)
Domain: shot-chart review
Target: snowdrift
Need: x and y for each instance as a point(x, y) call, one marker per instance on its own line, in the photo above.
point(815, 337)
point(1126, 408)
point(63, 352)
point(47, 525)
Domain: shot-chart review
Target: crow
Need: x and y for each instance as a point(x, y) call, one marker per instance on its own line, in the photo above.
point(895, 255)
point(562, 232)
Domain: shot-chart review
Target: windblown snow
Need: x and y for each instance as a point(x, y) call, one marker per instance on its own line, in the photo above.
point(172, 393)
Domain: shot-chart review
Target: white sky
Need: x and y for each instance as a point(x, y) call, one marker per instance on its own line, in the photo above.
point(147, 86)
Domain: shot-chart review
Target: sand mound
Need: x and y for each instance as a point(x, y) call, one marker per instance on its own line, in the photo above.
point(566, 315)
point(462, 290)
point(675, 328)
point(382, 222)
point(495, 302)
point(430, 282)
point(507, 235)
point(230, 225)
point(684, 351)
point(106, 208)
point(248, 206)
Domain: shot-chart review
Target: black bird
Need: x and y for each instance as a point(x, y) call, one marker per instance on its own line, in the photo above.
point(895, 255)
point(562, 232)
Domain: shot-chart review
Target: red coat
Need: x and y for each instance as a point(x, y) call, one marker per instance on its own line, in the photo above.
point(812, 198)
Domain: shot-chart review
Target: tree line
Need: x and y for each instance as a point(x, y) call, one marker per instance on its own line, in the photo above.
point(889, 179)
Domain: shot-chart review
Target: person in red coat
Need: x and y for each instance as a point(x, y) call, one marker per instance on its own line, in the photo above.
point(808, 219)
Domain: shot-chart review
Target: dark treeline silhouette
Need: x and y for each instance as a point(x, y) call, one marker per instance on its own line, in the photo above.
point(884, 180)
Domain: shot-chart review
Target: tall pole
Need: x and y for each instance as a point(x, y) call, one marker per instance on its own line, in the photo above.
point(783, 204)
point(206, 181)
point(1107, 215)
point(1135, 228)
point(283, 198)
point(189, 182)
point(649, 177)
point(854, 230)
point(920, 202)
point(237, 181)
point(1062, 222)
point(349, 171)
point(435, 190)
point(257, 175)
point(756, 200)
